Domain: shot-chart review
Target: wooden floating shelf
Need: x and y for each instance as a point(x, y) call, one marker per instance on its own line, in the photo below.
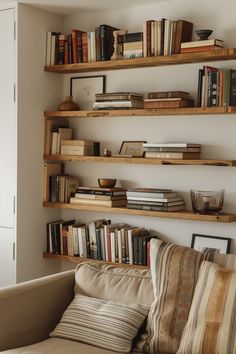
point(81, 259)
point(139, 160)
point(185, 215)
point(186, 58)
point(140, 112)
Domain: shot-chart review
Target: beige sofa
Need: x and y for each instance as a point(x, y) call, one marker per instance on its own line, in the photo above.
point(29, 311)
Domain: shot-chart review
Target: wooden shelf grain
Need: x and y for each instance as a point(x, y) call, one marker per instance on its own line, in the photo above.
point(141, 112)
point(175, 59)
point(184, 215)
point(81, 259)
point(139, 160)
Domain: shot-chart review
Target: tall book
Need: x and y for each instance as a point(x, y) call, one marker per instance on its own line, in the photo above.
point(50, 125)
point(49, 169)
point(106, 41)
point(183, 33)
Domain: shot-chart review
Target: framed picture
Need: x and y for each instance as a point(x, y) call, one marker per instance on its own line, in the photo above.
point(132, 148)
point(84, 88)
point(206, 243)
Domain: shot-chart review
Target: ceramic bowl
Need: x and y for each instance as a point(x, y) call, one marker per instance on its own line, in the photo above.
point(107, 182)
point(204, 34)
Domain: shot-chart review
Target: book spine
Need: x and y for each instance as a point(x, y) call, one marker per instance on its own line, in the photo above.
point(70, 49)
point(85, 47)
point(74, 46)
point(98, 44)
point(232, 88)
point(61, 49)
point(79, 47)
point(66, 51)
point(199, 91)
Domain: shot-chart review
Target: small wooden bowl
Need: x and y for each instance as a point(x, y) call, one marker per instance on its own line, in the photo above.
point(107, 182)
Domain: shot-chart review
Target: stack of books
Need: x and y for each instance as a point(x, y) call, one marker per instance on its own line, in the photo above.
point(168, 99)
point(132, 45)
point(118, 100)
point(108, 197)
point(101, 240)
point(216, 87)
point(61, 187)
point(201, 46)
point(154, 199)
point(77, 147)
point(172, 150)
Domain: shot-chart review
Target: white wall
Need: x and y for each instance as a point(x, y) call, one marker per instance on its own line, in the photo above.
point(37, 91)
point(215, 133)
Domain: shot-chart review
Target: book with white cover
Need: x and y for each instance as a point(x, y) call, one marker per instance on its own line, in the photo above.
point(203, 43)
point(171, 145)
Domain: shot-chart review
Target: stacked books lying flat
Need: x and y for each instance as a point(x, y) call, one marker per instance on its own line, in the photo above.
point(118, 100)
point(99, 240)
point(201, 46)
point(172, 151)
point(154, 199)
point(77, 147)
point(108, 197)
point(216, 87)
point(168, 99)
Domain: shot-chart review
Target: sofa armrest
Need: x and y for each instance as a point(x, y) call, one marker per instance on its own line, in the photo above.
point(30, 310)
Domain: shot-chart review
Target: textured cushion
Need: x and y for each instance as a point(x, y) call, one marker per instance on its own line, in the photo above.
point(211, 326)
point(109, 282)
point(105, 324)
point(174, 272)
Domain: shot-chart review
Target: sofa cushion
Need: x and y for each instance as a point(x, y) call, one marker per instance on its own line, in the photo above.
point(211, 326)
point(109, 282)
point(174, 273)
point(58, 346)
point(104, 324)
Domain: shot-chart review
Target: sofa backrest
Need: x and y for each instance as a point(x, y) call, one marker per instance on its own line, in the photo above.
point(112, 283)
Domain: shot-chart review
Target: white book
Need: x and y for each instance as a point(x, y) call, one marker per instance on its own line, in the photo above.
point(113, 252)
point(53, 49)
point(54, 143)
point(76, 241)
point(130, 244)
point(161, 200)
point(70, 241)
point(170, 145)
point(93, 46)
point(203, 43)
point(82, 242)
point(167, 36)
point(102, 244)
point(119, 246)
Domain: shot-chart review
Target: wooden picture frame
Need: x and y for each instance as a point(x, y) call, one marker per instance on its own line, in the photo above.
point(84, 88)
point(205, 243)
point(132, 148)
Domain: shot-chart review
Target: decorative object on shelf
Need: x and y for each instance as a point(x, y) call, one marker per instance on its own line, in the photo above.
point(207, 202)
point(68, 105)
point(96, 148)
point(203, 34)
point(132, 148)
point(107, 182)
point(106, 152)
point(207, 243)
point(117, 54)
point(84, 88)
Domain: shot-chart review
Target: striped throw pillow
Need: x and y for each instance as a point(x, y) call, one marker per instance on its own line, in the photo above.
point(105, 324)
point(174, 272)
point(211, 326)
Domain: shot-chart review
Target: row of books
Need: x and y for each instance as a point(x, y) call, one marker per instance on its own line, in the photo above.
point(108, 197)
point(61, 187)
point(172, 150)
point(80, 46)
point(216, 87)
point(154, 199)
point(164, 37)
point(100, 240)
point(159, 37)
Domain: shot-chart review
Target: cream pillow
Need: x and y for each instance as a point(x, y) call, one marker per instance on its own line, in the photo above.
point(105, 324)
point(211, 326)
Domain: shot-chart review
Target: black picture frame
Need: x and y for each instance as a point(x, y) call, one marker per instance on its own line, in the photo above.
point(83, 89)
point(216, 243)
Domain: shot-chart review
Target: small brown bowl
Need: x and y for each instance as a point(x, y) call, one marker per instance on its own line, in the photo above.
point(107, 182)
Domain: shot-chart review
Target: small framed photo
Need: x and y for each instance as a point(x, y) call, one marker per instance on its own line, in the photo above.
point(84, 88)
point(207, 243)
point(132, 148)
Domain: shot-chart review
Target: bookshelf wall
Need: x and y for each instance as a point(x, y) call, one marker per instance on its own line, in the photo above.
point(213, 127)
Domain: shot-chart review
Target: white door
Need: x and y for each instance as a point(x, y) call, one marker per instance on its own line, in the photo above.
point(7, 118)
point(7, 257)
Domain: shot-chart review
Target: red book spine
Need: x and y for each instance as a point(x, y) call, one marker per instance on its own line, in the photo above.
point(74, 34)
point(66, 52)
